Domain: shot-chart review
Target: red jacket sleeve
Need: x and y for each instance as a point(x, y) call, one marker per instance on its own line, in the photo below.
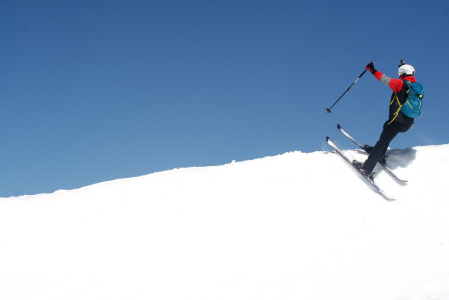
point(395, 84)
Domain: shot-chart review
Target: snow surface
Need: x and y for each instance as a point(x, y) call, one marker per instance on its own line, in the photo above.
point(293, 226)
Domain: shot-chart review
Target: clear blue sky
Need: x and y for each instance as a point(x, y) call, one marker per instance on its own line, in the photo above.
point(93, 91)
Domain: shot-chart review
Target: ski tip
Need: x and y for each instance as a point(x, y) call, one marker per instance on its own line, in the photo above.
point(388, 198)
point(327, 139)
point(338, 126)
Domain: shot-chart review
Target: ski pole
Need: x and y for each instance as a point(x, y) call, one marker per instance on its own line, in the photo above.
point(328, 110)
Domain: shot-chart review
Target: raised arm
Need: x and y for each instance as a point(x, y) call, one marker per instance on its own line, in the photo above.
point(395, 84)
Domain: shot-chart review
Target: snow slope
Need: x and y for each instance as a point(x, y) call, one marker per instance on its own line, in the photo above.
point(293, 226)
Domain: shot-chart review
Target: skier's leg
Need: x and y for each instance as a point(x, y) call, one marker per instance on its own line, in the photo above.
point(388, 134)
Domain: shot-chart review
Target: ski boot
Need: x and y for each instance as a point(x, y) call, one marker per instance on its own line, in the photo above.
point(359, 166)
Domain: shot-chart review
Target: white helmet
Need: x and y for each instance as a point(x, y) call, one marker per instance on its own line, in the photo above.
point(406, 69)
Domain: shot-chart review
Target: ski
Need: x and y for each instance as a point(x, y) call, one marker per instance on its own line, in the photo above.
point(389, 171)
point(337, 150)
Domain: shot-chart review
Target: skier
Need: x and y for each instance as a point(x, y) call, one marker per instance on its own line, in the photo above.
point(397, 121)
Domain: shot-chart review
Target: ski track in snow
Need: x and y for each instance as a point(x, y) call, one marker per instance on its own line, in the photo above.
point(292, 226)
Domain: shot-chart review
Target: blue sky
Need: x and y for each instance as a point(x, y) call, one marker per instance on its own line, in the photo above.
point(93, 91)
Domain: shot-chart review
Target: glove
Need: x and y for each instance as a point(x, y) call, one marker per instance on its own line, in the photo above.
point(370, 67)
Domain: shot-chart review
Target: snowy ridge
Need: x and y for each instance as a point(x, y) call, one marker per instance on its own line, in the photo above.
point(292, 226)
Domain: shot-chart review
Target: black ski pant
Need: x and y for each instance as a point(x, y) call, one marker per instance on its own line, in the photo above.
point(388, 134)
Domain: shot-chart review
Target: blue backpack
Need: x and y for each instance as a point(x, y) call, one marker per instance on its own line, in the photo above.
point(412, 107)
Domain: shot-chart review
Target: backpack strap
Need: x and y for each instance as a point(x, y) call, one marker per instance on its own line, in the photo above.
point(400, 106)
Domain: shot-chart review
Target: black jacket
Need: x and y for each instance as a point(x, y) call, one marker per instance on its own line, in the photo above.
point(394, 106)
